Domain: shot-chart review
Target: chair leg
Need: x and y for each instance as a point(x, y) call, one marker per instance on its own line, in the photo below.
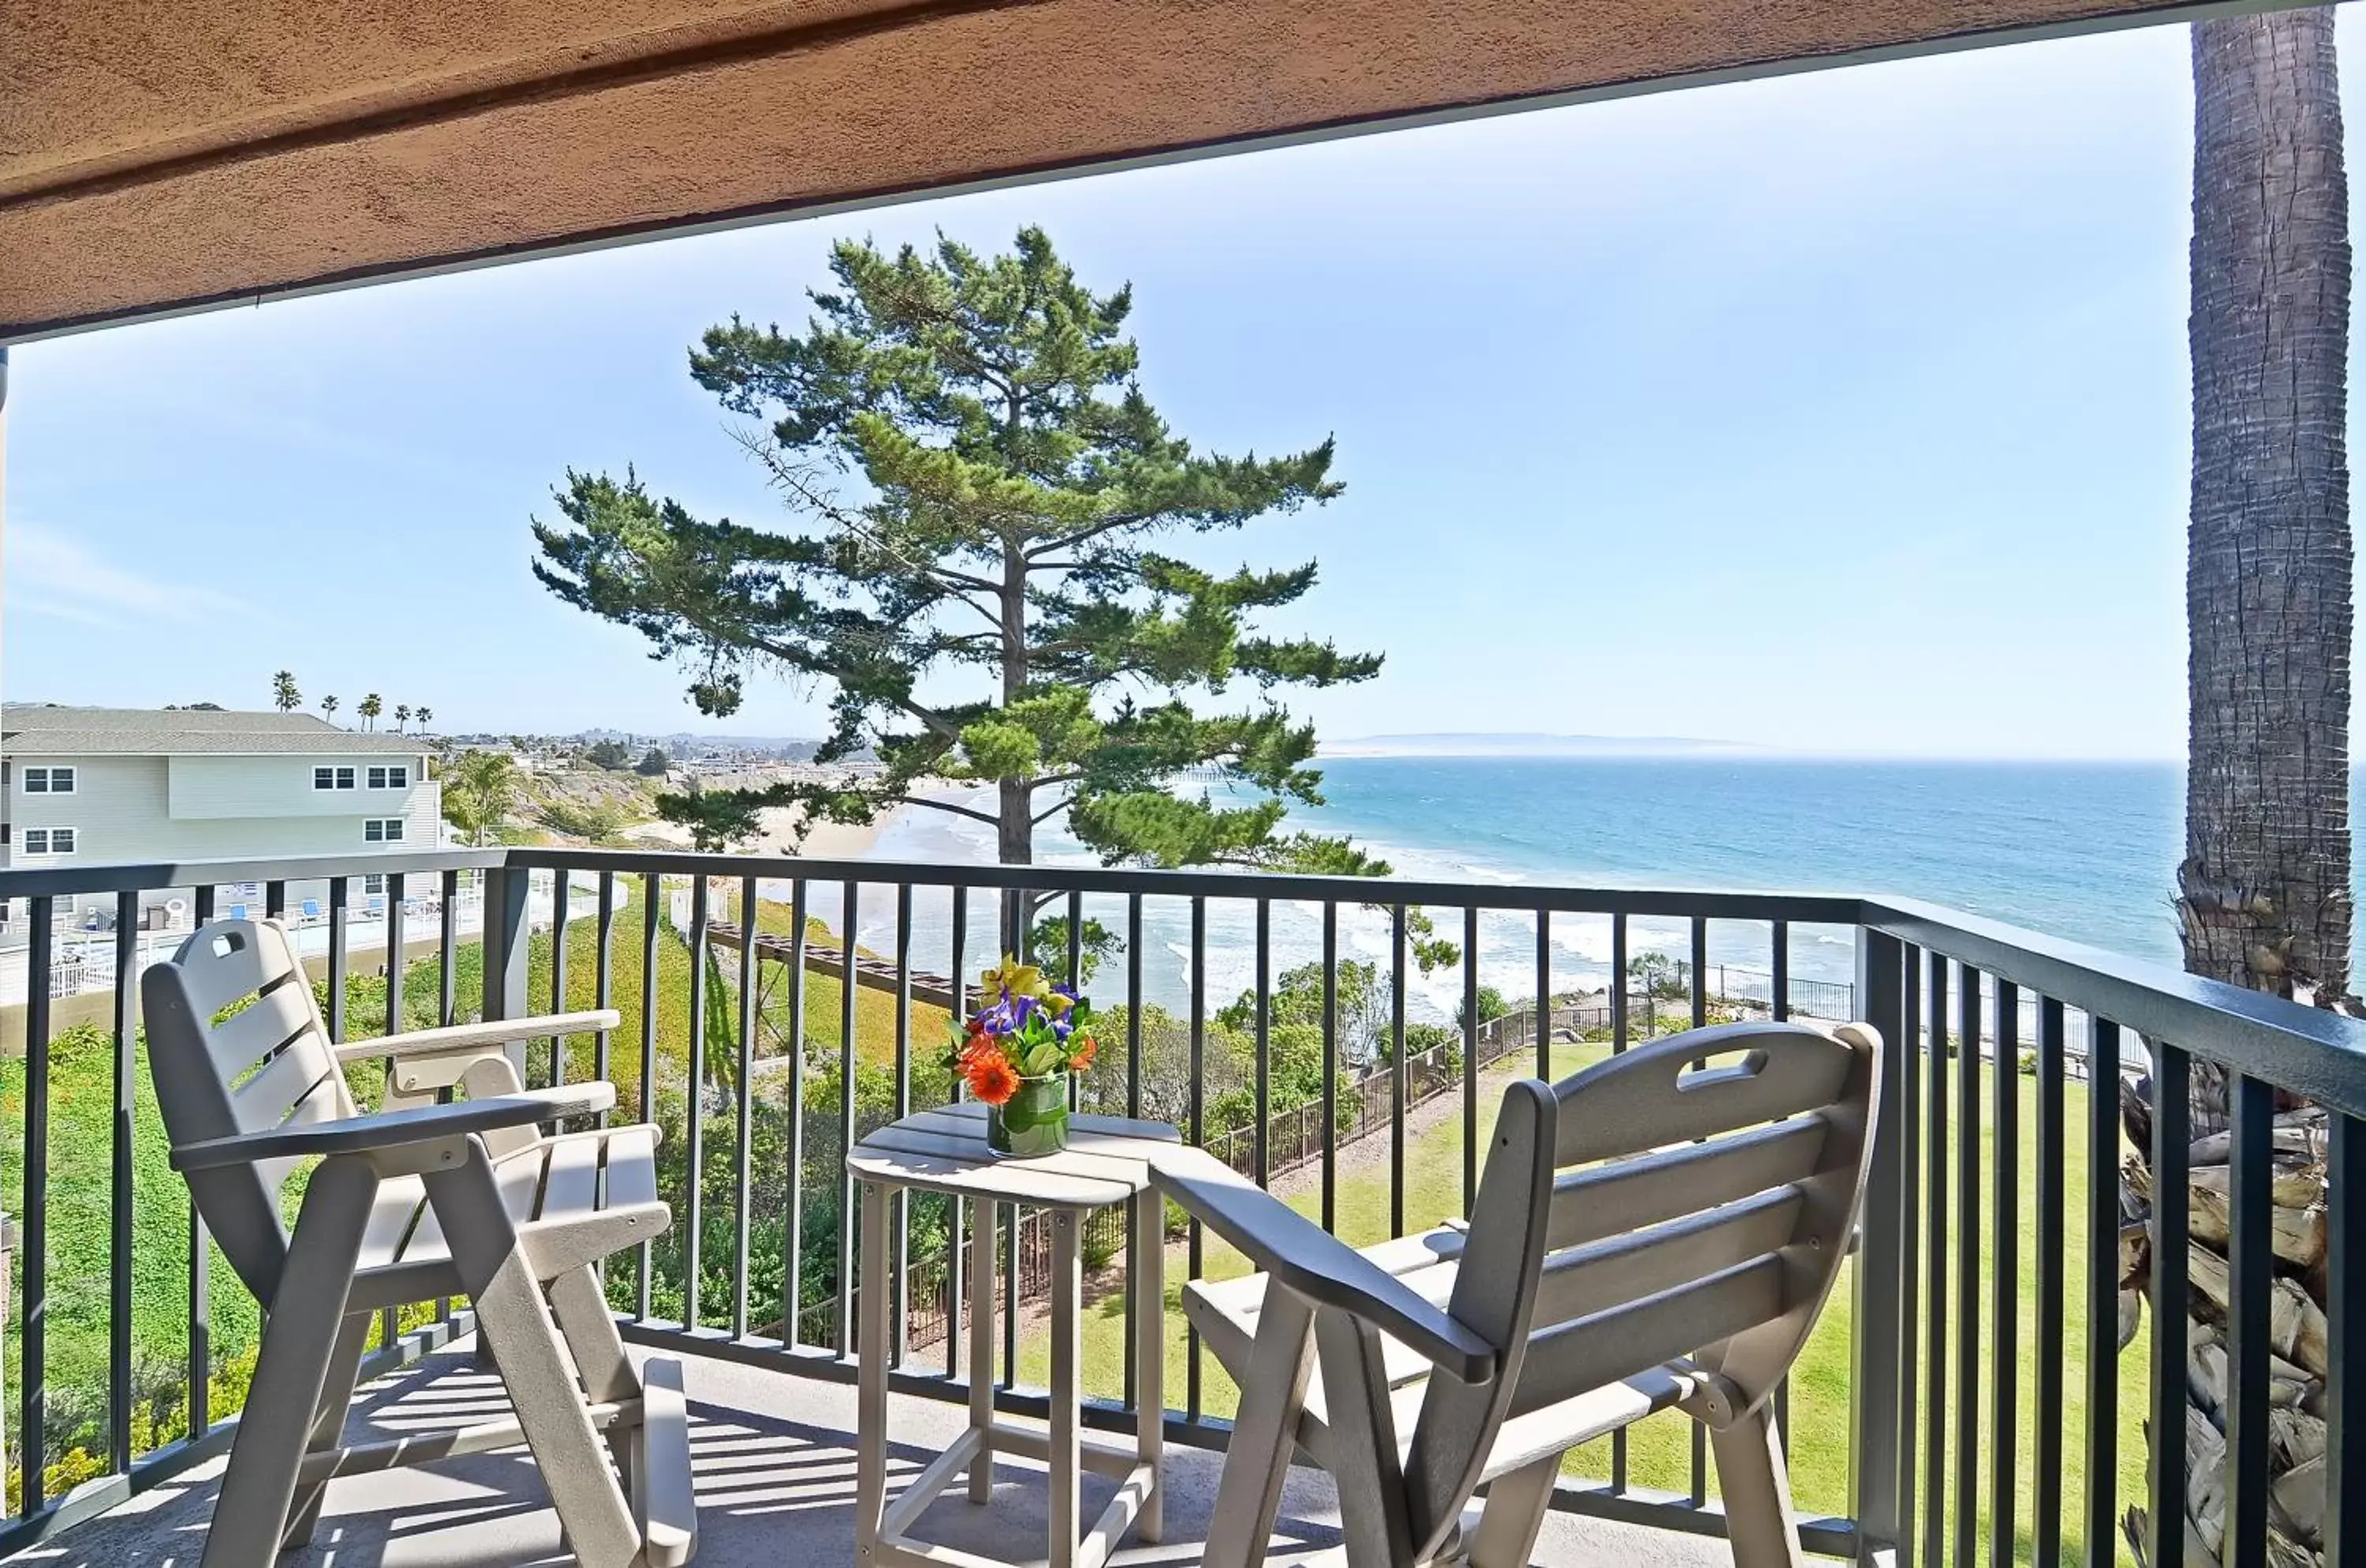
point(1363, 1443)
point(283, 1402)
point(581, 1308)
point(514, 1318)
point(1756, 1488)
point(982, 1274)
point(1515, 1513)
point(329, 1426)
point(1265, 1433)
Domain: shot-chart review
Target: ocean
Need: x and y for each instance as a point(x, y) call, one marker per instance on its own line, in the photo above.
point(2083, 850)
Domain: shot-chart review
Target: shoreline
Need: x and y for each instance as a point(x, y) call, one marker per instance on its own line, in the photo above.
point(777, 836)
point(824, 841)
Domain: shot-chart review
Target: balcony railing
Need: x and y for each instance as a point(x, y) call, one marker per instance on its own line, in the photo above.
point(1970, 1398)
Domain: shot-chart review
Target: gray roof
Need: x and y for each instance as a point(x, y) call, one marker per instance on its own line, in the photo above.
point(38, 729)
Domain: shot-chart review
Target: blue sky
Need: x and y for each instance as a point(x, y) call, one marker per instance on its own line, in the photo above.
point(1843, 412)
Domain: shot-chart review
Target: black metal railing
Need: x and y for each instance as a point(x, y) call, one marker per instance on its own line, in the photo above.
point(1962, 1400)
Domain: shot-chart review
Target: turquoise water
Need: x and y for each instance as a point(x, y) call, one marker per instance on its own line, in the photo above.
point(2083, 850)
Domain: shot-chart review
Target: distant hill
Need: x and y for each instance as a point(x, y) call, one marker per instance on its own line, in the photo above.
point(1516, 744)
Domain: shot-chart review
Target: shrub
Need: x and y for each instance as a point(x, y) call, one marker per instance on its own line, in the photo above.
point(1491, 1006)
point(590, 819)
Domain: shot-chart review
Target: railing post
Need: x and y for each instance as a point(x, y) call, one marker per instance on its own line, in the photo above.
point(1874, 1432)
point(506, 950)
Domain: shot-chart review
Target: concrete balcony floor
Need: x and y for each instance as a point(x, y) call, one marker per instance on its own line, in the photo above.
point(775, 1465)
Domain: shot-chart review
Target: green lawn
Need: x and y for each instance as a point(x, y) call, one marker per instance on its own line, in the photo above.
point(1659, 1449)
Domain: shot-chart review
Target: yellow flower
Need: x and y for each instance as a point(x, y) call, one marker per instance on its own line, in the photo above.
point(1019, 979)
point(1055, 1004)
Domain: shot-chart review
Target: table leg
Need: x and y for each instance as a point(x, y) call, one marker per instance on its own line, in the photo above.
point(871, 1387)
point(1146, 1277)
point(1068, 1284)
point(982, 1217)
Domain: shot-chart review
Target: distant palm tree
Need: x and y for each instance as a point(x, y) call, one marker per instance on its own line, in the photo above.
point(369, 710)
point(283, 696)
point(329, 709)
point(401, 715)
point(425, 714)
point(480, 789)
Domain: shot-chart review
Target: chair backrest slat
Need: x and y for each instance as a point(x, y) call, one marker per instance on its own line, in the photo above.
point(1654, 1096)
point(1573, 1357)
point(284, 1086)
point(278, 1016)
point(266, 1064)
point(1649, 1190)
point(1580, 1281)
point(228, 960)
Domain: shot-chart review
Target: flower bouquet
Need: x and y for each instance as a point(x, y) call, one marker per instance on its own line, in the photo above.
point(1017, 1053)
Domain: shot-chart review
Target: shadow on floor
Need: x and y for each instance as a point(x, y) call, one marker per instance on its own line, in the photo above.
point(774, 1460)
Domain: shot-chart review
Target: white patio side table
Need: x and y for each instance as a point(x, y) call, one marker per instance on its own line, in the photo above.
point(1106, 1163)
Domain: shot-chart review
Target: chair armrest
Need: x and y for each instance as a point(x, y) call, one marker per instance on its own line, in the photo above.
point(475, 1036)
point(592, 1096)
point(391, 1129)
point(1316, 1264)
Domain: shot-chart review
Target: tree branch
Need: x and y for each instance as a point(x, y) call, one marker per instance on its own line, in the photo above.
point(797, 659)
point(935, 804)
point(789, 478)
point(1083, 535)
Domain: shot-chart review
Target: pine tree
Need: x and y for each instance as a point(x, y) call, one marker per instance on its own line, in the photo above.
point(983, 501)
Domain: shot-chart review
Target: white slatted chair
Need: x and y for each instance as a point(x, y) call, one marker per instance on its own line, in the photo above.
point(416, 1202)
point(1658, 1231)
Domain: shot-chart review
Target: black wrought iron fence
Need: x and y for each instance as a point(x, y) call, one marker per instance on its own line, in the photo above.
point(1962, 1400)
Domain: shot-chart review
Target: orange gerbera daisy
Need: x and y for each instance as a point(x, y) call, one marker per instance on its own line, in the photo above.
point(1082, 1057)
point(992, 1080)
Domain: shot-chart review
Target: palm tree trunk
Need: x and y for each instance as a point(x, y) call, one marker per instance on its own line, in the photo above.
point(2264, 892)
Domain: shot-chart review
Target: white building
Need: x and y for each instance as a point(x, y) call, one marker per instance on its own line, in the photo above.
point(110, 786)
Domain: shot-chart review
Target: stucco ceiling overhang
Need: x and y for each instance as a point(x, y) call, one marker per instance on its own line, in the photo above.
point(177, 153)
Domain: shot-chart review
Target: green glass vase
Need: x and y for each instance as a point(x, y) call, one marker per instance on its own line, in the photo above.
point(1032, 1121)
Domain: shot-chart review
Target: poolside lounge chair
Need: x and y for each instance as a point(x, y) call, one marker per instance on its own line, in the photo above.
point(1656, 1232)
point(410, 1205)
point(312, 908)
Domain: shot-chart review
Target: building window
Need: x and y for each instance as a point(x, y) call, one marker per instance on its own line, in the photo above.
point(48, 841)
point(48, 780)
point(332, 778)
point(397, 777)
point(374, 885)
point(382, 831)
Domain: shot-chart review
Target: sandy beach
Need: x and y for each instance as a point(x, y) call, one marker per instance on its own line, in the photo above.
point(824, 841)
